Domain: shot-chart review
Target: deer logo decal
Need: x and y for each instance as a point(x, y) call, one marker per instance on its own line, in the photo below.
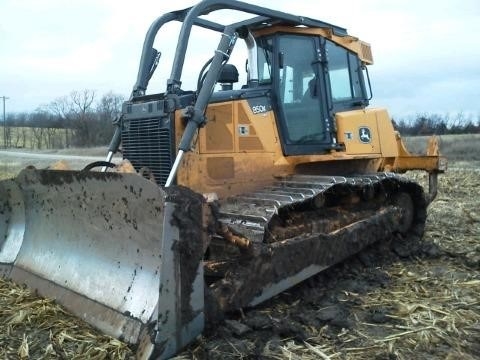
point(365, 135)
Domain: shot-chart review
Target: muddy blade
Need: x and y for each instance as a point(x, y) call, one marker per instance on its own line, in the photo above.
point(90, 240)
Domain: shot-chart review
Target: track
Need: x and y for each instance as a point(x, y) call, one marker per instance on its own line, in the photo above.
point(274, 238)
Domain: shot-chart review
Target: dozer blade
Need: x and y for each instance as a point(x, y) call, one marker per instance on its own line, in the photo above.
point(100, 245)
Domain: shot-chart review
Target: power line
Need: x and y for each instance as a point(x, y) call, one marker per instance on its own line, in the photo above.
point(4, 123)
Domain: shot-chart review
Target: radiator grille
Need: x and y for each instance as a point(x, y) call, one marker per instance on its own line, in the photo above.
point(147, 144)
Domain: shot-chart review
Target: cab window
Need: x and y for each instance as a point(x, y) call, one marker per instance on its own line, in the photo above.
point(344, 73)
point(264, 59)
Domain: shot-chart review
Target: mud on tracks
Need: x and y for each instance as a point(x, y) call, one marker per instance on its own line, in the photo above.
point(376, 305)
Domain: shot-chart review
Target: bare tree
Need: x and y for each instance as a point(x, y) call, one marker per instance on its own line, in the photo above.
point(37, 138)
point(79, 119)
point(108, 108)
point(82, 112)
point(61, 108)
point(8, 136)
point(76, 111)
point(24, 134)
point(16, 137)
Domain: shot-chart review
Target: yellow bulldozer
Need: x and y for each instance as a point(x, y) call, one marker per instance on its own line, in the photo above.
point(240, 191)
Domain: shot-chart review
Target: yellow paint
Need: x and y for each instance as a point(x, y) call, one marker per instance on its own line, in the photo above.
point(361, 48)
point(350, 124)
point(238, 151)
point(377, 121)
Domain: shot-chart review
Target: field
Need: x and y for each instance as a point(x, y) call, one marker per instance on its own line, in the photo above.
point(35, 138)
point(461, 150)
point(376, 305)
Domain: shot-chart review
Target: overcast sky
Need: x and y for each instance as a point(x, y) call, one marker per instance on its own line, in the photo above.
point(426, 53)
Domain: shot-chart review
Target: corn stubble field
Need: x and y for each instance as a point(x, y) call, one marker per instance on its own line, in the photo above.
point(376, 305)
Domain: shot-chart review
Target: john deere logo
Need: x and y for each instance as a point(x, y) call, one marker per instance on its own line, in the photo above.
point(364, 135)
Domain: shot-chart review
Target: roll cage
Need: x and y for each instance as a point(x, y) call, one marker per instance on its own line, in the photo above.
point(263, 18)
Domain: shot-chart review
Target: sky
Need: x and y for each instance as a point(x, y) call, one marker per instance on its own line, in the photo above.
point(426, 52)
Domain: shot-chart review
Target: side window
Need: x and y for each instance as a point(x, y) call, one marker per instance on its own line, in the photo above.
point(343, 70)
point(355, 73)
point(265, 61)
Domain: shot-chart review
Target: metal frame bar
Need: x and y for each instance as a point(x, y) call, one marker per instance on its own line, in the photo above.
point(190, 17)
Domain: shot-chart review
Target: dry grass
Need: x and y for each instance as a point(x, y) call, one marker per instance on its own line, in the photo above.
point(36, 328)
point(428, 309)
point(457, 148)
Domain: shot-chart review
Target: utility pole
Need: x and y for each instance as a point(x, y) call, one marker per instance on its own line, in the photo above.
point(4, 123)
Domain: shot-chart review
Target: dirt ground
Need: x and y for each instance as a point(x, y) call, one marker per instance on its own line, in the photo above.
point(376, 305)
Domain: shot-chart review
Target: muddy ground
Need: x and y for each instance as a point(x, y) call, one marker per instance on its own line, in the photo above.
point(376, 305)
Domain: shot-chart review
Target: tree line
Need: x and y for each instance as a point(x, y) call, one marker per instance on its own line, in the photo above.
point(79, 119)
point(437, 124)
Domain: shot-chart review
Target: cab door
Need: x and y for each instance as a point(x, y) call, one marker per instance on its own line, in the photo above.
point(303, 116)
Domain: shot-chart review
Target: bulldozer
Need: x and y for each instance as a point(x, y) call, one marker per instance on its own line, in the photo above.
point(240, 191)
